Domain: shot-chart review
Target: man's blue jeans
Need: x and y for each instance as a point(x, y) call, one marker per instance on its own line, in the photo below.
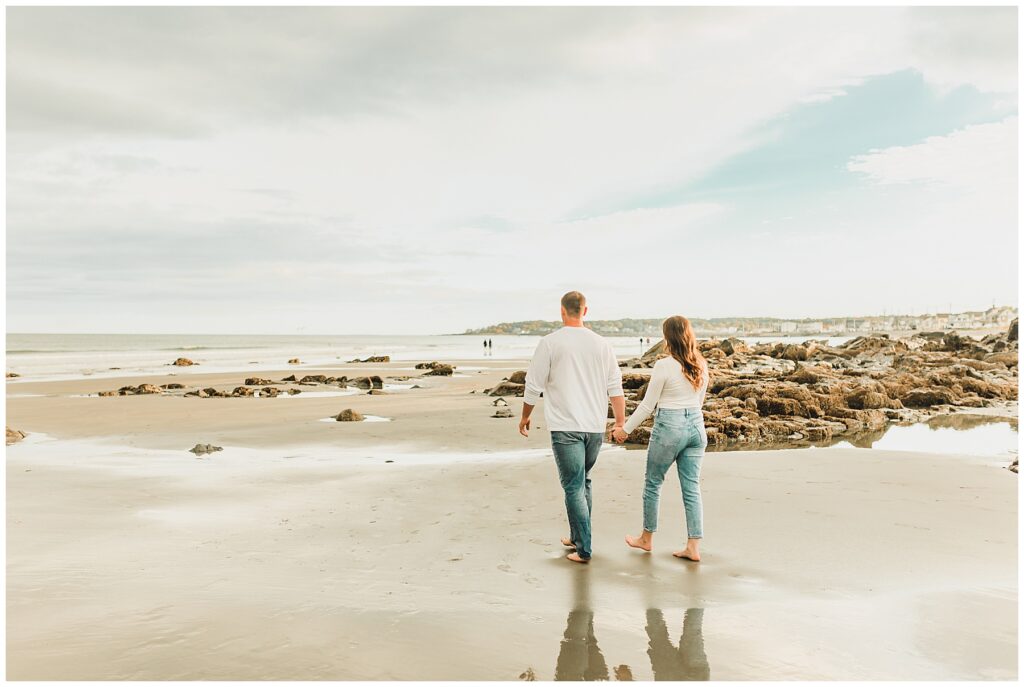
point(575, 455)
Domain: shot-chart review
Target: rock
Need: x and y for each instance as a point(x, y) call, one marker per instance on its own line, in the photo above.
point(633, 380)
point(733, 346)
point(202, 449)
point(371, 382)
point(211, 392)
point(1013, 465)
point(794, 352)
point(14, 436)
point(441, 370)
point(243, 391)
point(108, 393)
point(172, 385)
point(377, 392)
point(289, 378)
point(640, 435)
point(503, 413)
point(373, 359)
point(269, 392)
point(427, 366)
point(183, 362)
point(926, 398)
point(312, 379)
point(292, 392)
point(257, 381)
point(863, 399)
point(1011, 335)
point(349, 415)
point(518, 377)
point(1007, 358)
point(508, 389)
point(12, 375)
point(499, 401)
point(294, 361)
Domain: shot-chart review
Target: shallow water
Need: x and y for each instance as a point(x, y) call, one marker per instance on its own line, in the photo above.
point(964, 434)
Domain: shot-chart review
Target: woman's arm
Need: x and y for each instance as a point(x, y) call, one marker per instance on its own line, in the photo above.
point(651, 398)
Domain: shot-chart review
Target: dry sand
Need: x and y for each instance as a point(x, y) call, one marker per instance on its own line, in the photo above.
point(298, 552)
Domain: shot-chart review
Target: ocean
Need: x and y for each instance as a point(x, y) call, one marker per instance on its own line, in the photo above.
point(71, 356)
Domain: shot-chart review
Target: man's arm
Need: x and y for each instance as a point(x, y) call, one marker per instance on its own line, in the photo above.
point(536, 380)
point(615, 392)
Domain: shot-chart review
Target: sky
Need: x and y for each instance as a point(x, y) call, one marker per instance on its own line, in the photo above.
point(428, 170)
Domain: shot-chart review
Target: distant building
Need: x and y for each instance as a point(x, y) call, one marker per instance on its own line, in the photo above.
point(788, 327)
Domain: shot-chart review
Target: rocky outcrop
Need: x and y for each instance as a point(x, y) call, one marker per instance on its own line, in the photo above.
point(134, 390)
point(441, 370)
point(813, 392)
point(183, 362)
point(14, 436)
point(507, 388)
point(257, 381)
point(371, 382)
point(373, 359)
point(349, 415)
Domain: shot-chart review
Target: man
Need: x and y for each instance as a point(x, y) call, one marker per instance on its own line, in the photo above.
point(577, 372)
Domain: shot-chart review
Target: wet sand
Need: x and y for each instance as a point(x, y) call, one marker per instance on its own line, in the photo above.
point(298, 552)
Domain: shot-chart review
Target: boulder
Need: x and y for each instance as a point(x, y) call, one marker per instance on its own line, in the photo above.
point(1011, 335)
point(242, 391)
point(14, 436)
point(183, 362)
point(518, 377)
point(377, 392)
point(202, 449)
point(312, 379)
point(349, 415)
point(112, 393)
point(289, 378)
point(12, 375)
point(441, 370)
point(427, 366)
point(257, 381)
point(371, 382)
point(507, 389)
point(293, 361)
point(172, 385)
point(373, 359)
point(503, 413)
point(292, 392)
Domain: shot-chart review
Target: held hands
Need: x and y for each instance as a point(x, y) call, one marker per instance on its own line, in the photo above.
point(619, 435)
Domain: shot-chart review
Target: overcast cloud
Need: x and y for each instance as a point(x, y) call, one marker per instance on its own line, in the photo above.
point(349, 170)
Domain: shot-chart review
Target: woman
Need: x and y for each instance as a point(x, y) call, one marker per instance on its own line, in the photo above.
point(677, 387)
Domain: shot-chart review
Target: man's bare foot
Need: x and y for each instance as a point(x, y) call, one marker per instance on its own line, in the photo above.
point(575, 558)
point(687, 554)
point(638, 543)
point(567, 543)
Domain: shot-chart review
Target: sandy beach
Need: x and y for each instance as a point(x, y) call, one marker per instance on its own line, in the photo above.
point(427, 547)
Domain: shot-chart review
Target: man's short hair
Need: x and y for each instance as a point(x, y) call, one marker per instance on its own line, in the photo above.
point(574, 302)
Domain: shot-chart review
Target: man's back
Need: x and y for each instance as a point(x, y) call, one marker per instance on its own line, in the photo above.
point(577, 372)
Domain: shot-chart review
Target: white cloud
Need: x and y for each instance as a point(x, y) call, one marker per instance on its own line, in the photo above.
point(322, 149)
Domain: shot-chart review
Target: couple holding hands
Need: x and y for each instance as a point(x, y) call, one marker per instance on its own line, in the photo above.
point(578, 374)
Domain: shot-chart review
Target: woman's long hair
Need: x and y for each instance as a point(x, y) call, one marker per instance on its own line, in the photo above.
point(681, 344)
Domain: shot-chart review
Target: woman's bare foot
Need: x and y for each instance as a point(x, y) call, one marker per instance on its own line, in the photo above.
point(691, 552)
point(575, 558)
point(567, 543)
point(643, 542)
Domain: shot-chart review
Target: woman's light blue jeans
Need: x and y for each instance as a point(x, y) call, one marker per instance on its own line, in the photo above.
point(678, 437)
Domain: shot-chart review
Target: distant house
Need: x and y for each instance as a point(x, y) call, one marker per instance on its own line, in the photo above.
point(788, 327)
point(813, 327)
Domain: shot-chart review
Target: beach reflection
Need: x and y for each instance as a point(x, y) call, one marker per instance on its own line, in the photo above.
point(580, 657)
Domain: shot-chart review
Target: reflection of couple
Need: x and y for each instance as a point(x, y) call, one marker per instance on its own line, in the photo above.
point(577, 372)
point(580, 658)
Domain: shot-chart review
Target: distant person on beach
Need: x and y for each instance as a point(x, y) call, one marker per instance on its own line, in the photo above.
point(677, 387)
point(577, 372)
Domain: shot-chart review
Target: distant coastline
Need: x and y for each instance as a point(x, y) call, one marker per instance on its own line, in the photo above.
point(995, 318)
